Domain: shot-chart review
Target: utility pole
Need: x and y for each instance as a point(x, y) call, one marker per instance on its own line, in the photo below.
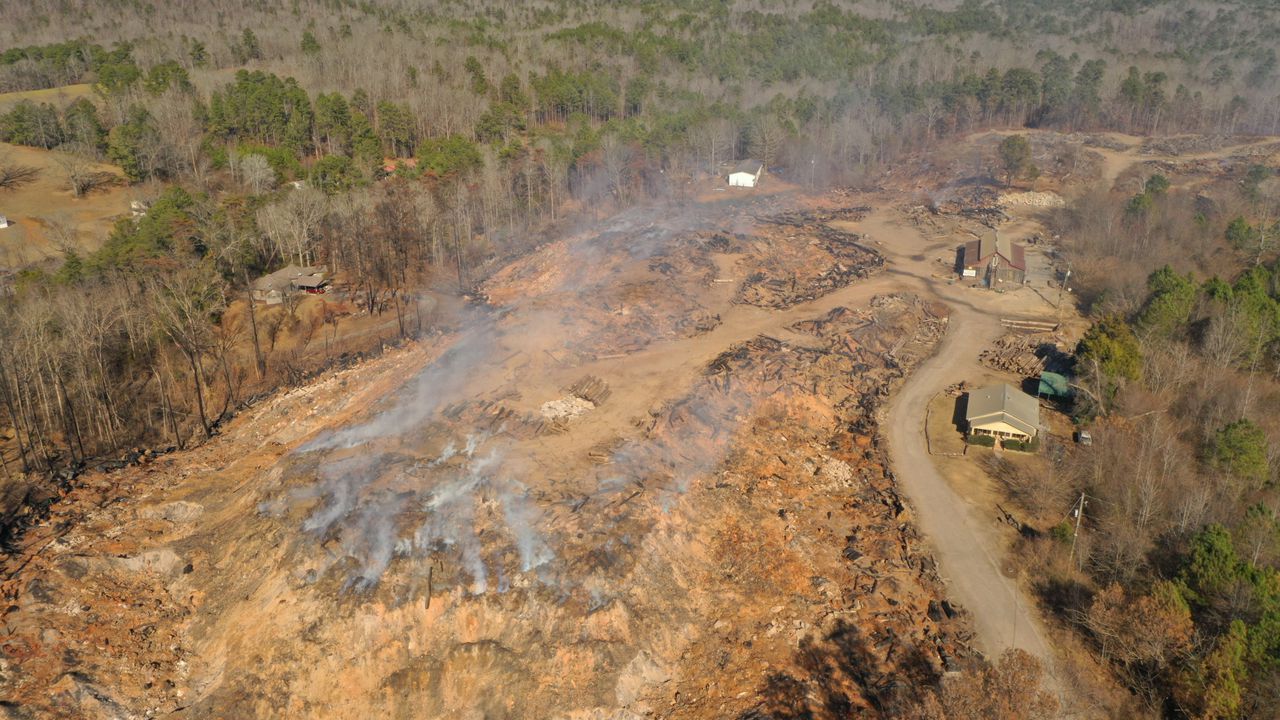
point(1079, 510)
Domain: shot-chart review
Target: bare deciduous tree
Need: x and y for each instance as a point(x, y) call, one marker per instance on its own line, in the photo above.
point(292, 223)
point(82, 177)
point(14, 175)
point(256, 173)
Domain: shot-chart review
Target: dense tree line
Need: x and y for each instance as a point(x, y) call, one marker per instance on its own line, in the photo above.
point(1174, 577)
point(62, 63)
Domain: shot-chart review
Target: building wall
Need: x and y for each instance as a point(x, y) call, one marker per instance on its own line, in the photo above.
point(741, 179)
point(1008, 274)
point(998, 429)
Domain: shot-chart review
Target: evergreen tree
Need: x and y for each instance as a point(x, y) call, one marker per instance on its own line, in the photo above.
point(82, 125)
point(1170, 303)
point(397, 129)
point(309, 44)
point(1239, 448)
point(250, 46)
point(134, 145)
point(1109, 347)
point(31, 124)
point(334, 174)
point(1015, 157)
point(167, 75)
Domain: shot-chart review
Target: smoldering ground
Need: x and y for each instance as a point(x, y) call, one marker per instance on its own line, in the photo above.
point(409, 482)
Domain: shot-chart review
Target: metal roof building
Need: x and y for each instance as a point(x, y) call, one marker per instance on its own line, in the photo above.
point(995, 259)
point(1003, 411)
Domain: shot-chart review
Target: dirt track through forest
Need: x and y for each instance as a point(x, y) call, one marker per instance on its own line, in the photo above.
point(963, 536)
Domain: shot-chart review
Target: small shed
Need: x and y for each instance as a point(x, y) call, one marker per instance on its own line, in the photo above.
point(995, 260)
point(1004, 412)
point(746, 174)
point(4, 222)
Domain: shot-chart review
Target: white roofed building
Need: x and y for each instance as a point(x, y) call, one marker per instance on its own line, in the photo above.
point(746, 174)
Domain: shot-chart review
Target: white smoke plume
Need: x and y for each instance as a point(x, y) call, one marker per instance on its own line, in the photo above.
point(376, 497)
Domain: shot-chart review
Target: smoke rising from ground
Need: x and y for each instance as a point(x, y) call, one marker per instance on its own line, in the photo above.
point(379, 496)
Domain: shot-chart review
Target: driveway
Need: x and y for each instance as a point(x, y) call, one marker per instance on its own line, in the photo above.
point(964, 537)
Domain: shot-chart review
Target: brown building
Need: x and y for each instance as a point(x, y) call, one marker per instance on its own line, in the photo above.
point(994, 261)
point(272, 289)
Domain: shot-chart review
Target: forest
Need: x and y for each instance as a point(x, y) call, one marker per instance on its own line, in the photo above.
point(412, 146)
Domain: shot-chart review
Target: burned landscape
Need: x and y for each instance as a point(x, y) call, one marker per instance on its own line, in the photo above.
point(584, 360)
point(531, 525)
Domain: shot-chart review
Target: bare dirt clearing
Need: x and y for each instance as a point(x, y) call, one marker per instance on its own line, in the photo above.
point(46, 214)
point(456, 547)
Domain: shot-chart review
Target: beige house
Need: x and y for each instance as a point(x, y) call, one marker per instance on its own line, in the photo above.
point(1004, 412)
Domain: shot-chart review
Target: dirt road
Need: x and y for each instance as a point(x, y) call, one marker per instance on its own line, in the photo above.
point(964, 538)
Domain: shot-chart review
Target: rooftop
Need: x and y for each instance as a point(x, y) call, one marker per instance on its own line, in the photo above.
point(1003, 403)
point(289, 276)
point(979, 252)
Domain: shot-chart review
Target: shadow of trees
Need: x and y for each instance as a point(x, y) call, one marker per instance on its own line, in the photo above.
point(848, 674)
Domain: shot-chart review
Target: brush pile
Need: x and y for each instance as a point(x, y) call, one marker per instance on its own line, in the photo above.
point(801, 258)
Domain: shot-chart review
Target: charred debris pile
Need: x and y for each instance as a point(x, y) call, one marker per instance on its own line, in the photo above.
point(628, 288)
point(804, 258)
point(547, 541)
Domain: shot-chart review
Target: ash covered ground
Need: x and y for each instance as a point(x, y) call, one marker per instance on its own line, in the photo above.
point(639, 479)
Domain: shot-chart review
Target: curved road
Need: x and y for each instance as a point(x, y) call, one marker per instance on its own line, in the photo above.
point(964, 538)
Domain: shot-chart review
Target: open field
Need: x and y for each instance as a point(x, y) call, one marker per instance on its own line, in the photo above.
point(45, 213)
point(59, 97)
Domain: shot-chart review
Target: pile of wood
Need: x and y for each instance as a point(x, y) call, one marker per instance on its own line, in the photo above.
point(590, 388)
point(494, 416)
point(1017, 354)
point(805, 265)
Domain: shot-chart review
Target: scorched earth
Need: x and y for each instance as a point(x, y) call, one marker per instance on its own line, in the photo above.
point(639, 475)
